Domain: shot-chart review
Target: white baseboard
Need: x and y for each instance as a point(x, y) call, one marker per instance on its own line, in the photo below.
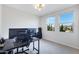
point(72, 46)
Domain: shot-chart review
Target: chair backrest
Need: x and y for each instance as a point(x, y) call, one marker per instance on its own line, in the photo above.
point(24, 38)
point(39, 33)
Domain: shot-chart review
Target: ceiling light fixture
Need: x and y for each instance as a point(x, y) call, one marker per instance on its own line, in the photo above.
point(39, 7)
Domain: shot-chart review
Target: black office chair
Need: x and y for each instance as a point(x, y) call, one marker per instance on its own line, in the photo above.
point(24, 38)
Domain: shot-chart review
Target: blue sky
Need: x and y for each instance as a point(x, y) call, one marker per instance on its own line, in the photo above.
point(64, 18)
point(51, 20)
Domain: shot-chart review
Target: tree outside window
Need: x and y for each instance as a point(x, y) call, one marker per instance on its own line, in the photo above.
point(51, 24)
point(66, 22)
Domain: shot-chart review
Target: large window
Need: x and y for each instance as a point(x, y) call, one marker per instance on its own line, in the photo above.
point(51, 24)
point(66, 22)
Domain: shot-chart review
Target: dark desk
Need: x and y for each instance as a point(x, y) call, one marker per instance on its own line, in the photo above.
point(7, 45)
point(10, 45)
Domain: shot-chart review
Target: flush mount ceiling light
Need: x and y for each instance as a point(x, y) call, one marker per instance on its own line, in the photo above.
point(39, 7)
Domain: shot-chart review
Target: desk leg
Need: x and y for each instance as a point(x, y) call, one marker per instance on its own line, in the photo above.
point(37, 49)
point(22, 49)
point(38, 46)
point(17, 50)
point(33, 45)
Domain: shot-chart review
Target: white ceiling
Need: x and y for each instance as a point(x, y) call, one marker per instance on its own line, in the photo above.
point(47, 9)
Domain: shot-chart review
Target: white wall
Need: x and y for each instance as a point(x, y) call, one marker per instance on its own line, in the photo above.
point(13, 18)
point(69, 39)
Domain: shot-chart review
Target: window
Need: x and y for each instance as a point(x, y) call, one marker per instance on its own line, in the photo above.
point(66, 22)
point(51, 24)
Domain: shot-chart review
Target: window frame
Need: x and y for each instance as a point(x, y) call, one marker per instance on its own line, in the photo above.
point(61, 13)
point(54, 23)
